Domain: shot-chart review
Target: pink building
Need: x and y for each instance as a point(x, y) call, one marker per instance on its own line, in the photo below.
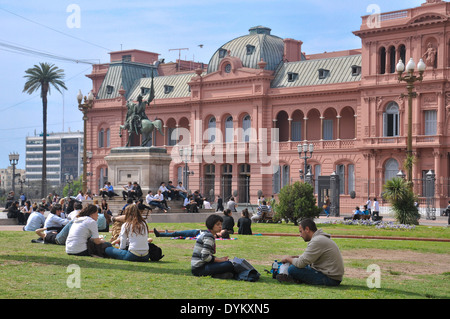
point(348, 104)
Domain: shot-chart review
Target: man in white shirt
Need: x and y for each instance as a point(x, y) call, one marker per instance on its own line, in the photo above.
point(369, 205)
point(164, 190)
point(155, 200)
point(36, 220)
point(77, 208)
point(127, 190)
point(54, 220)
point(376, 208)
point(181, 190)
point(80, 196)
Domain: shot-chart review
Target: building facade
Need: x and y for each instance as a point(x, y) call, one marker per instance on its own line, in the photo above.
point(64, 157)
point(245, 112)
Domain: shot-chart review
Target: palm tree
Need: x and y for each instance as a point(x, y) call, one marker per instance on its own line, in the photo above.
point(41, 77)
point(400, 194)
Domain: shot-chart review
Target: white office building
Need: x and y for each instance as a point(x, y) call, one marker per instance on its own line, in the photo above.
point(64, 157)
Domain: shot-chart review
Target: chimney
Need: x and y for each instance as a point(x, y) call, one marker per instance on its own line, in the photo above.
point(292, 50)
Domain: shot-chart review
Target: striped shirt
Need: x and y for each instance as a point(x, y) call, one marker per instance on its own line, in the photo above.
point(204, 250)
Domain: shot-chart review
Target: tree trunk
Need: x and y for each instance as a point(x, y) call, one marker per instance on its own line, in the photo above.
point(44, 90)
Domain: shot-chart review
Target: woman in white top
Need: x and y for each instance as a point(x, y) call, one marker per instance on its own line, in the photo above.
point(84, 228)
point(133, 238)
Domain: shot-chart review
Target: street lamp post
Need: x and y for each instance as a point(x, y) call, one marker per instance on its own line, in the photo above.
point(410, 78)
point(69, 182)
point(305, 148)
point(21, 181)
point(85, 107)
point(185, 154)
point(13, 160)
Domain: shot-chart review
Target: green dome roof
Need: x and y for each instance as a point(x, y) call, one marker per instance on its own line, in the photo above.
point(259, 43)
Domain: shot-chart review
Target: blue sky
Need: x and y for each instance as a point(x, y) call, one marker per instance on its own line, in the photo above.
point(156, 26)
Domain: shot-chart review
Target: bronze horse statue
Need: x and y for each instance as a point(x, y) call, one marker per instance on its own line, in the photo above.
point(146, 129)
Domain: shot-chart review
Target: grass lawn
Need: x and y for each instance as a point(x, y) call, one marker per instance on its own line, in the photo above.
point(410, 269)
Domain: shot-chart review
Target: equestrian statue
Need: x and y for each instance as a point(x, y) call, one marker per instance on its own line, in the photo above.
point(137, 122)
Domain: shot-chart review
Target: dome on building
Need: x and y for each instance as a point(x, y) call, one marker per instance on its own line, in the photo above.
point(259, 43)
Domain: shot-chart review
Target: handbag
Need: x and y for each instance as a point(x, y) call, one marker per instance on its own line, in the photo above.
point(244, 270)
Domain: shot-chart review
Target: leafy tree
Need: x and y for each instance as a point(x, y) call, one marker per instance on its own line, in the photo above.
point(296, 202)
point(75, 187)
point(399, 193)
point(42, 77)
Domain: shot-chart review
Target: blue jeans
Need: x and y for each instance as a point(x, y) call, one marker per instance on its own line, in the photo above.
point(123, 254)
point(181, 233)
point(310, 276)
point(62, 235)
point(213, 268)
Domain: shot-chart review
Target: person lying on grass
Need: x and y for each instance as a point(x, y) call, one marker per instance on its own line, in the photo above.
point(320, 264)
point(190, 233)
point(203, 261)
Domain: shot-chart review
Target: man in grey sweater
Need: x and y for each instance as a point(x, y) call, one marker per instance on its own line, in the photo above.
point(320, 264)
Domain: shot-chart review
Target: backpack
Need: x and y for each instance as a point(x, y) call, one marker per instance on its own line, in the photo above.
point(244, 270)
point(155, 252)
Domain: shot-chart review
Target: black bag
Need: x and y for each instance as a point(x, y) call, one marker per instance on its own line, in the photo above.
point(154, 252)
point(244, 270)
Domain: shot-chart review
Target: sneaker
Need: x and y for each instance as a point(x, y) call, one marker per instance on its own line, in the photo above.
point(156, 232)
point(37, 241)
point(225, 275)
point(284, 278)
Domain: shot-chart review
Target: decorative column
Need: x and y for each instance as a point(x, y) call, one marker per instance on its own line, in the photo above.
point(338, 135)
point(321, 127)
point(305, 119)
point(290, 129)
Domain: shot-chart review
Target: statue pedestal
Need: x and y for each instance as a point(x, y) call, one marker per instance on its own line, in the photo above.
point(148, 166)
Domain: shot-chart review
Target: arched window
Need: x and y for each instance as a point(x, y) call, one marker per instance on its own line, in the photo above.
point(390, 169)
point(246, 125)
point(281, 178)
point(402, 52)
point(101, 138)
point(392, 58)
point(108, 137)
point(391, 120)
point(346, 178)
point(229, 129)
point(382, 60)
point(212, 130)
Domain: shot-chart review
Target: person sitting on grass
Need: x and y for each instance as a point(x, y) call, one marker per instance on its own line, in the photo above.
point(244, 223)
point(133, 238)
point(320, 264)
point(84, 238)
point(51, 234)
point(36, 220)
point(203, 261)
point(228, 221)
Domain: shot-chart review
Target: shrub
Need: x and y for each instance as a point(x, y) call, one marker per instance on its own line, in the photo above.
point(296, 202)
